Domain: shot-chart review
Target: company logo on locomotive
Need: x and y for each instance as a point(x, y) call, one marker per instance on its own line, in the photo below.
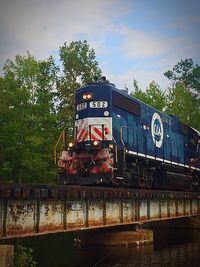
point(157, 130)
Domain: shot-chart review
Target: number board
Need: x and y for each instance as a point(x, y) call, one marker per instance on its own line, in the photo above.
point(81, 106)
point(98, 104)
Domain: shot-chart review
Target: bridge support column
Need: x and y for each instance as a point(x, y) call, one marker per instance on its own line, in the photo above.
point(6, 255)
point(116, 238)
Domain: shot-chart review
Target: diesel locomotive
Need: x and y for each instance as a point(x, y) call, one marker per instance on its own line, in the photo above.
point(119, 140)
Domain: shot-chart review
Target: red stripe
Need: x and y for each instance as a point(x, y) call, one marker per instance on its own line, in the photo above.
point(79, 128)
point(93, 138)
point(85, 136)
point(82, 132)
point(106, 130)
point(99, 133)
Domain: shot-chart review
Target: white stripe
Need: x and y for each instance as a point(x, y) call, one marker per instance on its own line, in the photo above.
point(120, 178)
point(150, 157)
point(141, 154)
point(131, 152)
point(159, 159)
point(167, 161)
point(81, 126)
point(98, 137)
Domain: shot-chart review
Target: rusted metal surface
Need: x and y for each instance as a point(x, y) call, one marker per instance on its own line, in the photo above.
point(76, 214)
point(20, 217)
point(51, 215)
point(95, 213)
point(187, 207)
point(194, 207)
point(172, 208)
point(128, 213)
point(180, 205)
point(112, 212)
point(37, 209)
point(143, 210)
point(163, 213)
point(154, 209)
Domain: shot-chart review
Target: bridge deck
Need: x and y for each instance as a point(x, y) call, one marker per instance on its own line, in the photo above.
point(27, 210)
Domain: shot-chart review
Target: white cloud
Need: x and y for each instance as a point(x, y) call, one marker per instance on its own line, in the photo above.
point(142, 77)
point(42, 26)
point(140, 44)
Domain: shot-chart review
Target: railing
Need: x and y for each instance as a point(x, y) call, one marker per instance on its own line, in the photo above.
point(61, 143)
point(103, 139)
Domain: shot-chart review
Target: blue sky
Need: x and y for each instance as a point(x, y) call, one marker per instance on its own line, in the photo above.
point(132, 38)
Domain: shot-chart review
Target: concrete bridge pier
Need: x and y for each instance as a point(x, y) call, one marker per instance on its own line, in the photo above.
point(124, 238)
point(6, 255)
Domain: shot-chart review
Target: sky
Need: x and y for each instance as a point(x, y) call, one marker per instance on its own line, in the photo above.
point(138, 39)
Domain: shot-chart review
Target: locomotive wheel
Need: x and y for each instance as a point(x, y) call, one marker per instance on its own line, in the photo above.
point(149, 182)
point(145, 178)
point(141, 177)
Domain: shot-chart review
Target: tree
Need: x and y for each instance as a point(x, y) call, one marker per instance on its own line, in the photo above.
point(79, 67)
point(28, 119)
point(182, 103)
point(37, 101)
point(184, 92)
point(186, 72)
point(153, 95)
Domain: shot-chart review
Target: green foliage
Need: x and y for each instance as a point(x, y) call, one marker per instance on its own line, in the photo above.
point(79, 67)
point(24, 257)
point(37, 102)
point(184, 93)
point(153, 95)
point(187, 73)
point(28, 119)
point(183, 104)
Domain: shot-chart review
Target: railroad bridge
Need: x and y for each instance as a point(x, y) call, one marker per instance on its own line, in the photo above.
point(27, 210)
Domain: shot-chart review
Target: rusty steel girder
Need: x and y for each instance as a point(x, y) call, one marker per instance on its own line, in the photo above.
point(38, 209)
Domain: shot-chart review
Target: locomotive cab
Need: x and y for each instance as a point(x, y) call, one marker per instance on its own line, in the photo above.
point(89, 159)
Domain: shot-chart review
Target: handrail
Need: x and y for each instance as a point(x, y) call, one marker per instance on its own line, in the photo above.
point(103, 126)
point(116, 156)
point(61, 143)
point(121, 132)
point(62, 138)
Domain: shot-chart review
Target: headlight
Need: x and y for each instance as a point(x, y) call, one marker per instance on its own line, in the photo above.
point(70, 145)
point(96, 143)
point(110, 146)
point(87, 96)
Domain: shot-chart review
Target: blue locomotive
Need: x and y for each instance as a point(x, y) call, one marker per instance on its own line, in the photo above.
point(119, 140)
